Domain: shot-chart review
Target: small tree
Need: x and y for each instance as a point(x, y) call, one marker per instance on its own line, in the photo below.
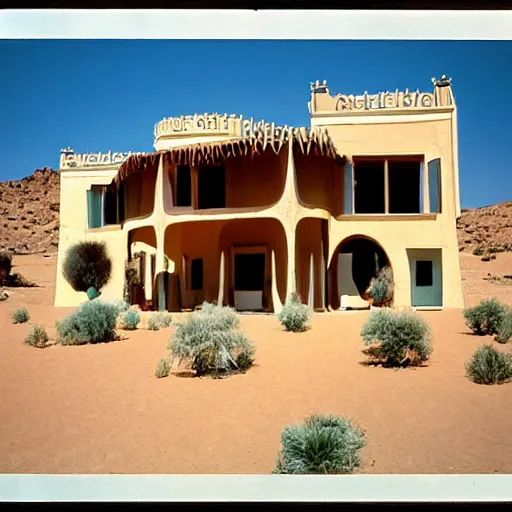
point(87, 267)
point(294, 316)
point(5, 266)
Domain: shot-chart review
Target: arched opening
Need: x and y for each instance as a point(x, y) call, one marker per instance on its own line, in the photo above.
point(357, 263)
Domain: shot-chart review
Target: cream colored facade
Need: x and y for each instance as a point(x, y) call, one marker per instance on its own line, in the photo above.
point(244, 213)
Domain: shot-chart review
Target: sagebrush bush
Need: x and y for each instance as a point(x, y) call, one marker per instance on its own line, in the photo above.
point(399, 338)
point(87, 265)
point(37, 337)
point(505, 330)
point(381, 286)
point(324, 444)
point(488, 366)
point(209, 342)
point(20, 316)
point(159, 321)
point(486, 317)
point(130, 320)
point(294, 316)
point(93, 322)
point(162, 369)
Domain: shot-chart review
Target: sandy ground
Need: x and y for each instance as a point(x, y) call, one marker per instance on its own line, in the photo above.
point(99, 409)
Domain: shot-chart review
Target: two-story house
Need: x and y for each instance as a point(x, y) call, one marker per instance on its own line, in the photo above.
point(244, 213)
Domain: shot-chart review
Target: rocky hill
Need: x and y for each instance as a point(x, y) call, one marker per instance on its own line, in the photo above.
point(29, 213)
point(487, 230)
point(29, 219)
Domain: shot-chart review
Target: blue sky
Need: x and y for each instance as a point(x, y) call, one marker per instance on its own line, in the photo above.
point(98, 95)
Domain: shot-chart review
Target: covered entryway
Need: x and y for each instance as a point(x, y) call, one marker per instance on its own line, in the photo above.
point(426, 277)
point(249, 269)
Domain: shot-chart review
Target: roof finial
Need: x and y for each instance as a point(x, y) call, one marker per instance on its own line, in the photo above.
point(444, 82)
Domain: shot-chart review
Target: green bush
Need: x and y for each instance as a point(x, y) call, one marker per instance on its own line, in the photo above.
point(93, 322)
point(159, 321)
point(130, 320)
point(294, 316)
point(381, 286)
point(398, 338)
point(488, 366)
point(20, 316)
point(486, 317)
point(37, 337)
point(478, 251)
point(209, 342)
point(504, 334)
point(87, 265)
point(162, 369)
point(324, 444)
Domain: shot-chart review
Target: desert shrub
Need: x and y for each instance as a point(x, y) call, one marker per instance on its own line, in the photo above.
point(488, 366)
point(93, 322)
point(294, 316)
point(20, 316)
point(504, 334)
point(381, 286)
point(162, 369)
point(478, 251)
point(19, 281)
point(398, 338)
point(87, 265)
point(159, 321)
point(130, 320)
point(209, 342)
point(37, 337)
point(324, 444)
point(121, 305)
point(486, 317)
point(5, 266)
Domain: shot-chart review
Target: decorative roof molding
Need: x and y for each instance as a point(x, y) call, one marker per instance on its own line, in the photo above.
point(198, 124)
point(69, 159)
point(321, 102)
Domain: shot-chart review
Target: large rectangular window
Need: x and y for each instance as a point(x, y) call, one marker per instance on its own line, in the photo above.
point(102, 207)
point(387, 185)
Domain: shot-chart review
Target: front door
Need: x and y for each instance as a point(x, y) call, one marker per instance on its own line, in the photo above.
point(249, 280)
point(426, 281)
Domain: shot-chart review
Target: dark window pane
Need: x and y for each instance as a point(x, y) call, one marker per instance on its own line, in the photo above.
point(404, 187)
point(434, 185)
point(424, 272)
point(211, 187)
point(369, 187)
point(183, 186)
point(196, 274)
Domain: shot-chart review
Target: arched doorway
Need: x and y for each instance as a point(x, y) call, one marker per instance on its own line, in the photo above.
point(355, 262)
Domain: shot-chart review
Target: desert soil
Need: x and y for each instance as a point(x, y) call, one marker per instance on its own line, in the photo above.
point(99, 408)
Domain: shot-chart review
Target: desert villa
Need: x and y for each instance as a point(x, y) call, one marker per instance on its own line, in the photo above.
point(244, 213)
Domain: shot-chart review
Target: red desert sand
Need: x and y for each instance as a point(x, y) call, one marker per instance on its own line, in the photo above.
point(100, 409)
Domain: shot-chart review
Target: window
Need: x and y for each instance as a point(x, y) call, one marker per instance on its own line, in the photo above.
point(434, 185)
point(196, 274)
point(424, 273)
point(347, 189)
point(387, 185)
point(95, 200)
point(102, 207)
point(183, 186)
point(211, 187)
